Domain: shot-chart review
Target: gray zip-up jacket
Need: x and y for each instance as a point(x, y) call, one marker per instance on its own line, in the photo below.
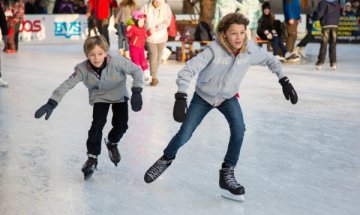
point(220, 72)
point(110, 87)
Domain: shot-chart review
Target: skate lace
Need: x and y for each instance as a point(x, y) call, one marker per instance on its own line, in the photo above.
point(158, 168)
point(230, 179)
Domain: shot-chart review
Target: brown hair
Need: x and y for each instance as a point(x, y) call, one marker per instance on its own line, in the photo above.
point(91, 42)
point(130, 3)
point(224, 24)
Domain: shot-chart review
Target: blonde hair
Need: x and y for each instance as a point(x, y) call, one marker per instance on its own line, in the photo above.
point(224, 24)
point(91, 42)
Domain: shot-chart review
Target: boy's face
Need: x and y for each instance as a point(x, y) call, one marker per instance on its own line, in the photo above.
point(97, 56)
point(235, 36)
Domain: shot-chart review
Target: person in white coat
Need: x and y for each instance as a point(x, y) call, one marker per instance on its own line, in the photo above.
point(158, 20)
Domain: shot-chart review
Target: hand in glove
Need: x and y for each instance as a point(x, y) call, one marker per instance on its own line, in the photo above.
point(180, 107)
point(136, 99)
point(46, 109)
point(288, 90)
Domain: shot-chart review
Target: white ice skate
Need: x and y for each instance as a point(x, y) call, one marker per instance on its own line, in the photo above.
point(147, 77)
point(3, 83)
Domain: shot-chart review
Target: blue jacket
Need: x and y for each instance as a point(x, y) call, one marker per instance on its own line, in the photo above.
point(220, 72)
point(328, 13)
point(291, 10)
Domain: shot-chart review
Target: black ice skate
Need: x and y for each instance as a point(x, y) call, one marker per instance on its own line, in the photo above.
point(233, 190)
point(114, 154)
point(157, 169)
point(89, 166)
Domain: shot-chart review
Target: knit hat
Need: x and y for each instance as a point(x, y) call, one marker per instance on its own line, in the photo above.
point(138, 15)
point(265, 5)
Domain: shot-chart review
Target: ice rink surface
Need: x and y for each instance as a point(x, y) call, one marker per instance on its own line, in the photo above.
point(295, 159)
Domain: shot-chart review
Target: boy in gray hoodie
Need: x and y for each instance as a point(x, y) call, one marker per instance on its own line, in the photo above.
point(105, 77)
point(220, 69)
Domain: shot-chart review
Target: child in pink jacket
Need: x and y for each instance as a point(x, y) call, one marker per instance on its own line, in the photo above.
point(136, 34)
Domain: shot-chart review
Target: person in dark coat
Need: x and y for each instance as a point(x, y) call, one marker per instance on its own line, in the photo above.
point(327, 12)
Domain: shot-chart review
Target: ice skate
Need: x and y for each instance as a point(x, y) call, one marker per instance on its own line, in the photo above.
point(89, 166)
point(157, 169)
point(231, 188)
point(318, 67)
point(3, 83)
point(333, 66)
point(114, 154)
point(147, 77)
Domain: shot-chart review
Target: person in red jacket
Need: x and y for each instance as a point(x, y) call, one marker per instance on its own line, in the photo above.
point(101, 9)
point(136, 34)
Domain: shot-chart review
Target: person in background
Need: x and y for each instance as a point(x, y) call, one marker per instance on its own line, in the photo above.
point(216, 87)
point(125, 9)
point(267, 31)
point(328, 14)
point(105, 77)
point(356, 7)
point(158, 20)
point(14, 15)
point(347, 11)
point(4, 32)
point(137, 34)
point(102, 11)
point(252, 10)
point(292, 18)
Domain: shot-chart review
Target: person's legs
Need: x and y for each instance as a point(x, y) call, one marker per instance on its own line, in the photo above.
point(197, 111)
point(3, 83)
point(100, 111)
point(292, 36)
point(232, 111)
point(153, 56)
point(274, 44)
point(119, 121)
point(324, 42)
point(332, 47)
point(135, 55)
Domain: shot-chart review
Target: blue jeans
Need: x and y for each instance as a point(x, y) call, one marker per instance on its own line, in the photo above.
point(198, 109)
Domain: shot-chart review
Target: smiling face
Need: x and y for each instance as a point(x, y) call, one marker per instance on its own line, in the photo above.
point(97, 56)
point(235, 36)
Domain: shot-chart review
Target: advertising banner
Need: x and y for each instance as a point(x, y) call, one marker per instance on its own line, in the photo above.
point(348, 29)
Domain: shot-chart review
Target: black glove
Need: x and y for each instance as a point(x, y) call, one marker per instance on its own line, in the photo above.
point(288, 90)
point(46, 108)
point(136, 99)
point(180, 107)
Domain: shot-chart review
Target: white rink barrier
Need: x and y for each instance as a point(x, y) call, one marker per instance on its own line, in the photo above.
point(52, 29)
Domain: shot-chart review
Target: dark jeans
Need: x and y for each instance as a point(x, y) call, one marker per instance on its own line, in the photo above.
point(198, 109)
point(119, 123)
point(122, 39)
point(276, 43)
point(103, 26)
point(328, 36)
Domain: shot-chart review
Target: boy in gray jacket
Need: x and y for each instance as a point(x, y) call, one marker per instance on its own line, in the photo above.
point(105, 77)
point(220, 68)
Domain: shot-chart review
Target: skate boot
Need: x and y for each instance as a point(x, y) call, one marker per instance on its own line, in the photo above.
point(89, 166)
point(227, 181)
point(114, 154)
point(147, 77)
point(157, 169)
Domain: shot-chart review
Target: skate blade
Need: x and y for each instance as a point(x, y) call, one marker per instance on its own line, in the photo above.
point(230, 196)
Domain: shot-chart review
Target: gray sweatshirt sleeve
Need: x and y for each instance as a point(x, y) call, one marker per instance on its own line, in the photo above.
point(192, 68)
point(131, 69)
point(67, 85)
point(262, 57)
